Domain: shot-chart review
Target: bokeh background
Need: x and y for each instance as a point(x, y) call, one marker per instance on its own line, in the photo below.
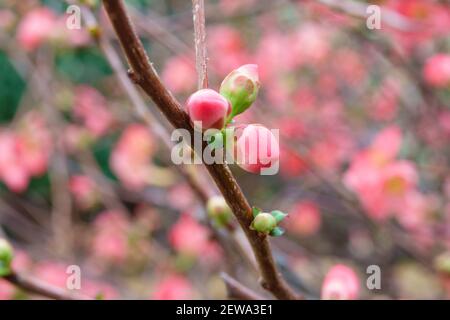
point(364, 119)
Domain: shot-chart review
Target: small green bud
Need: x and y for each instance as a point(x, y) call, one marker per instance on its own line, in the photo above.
point(6, 257)
point(219, 211)
point(241, 88)
point(264, 223)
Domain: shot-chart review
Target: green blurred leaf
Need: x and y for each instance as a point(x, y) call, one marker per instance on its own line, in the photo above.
point(11, 89)
point(102, 151)
point(56, 5)
point(83, 65)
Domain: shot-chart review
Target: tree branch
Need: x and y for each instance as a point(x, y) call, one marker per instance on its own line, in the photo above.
point(149, 81)
point(237, 290)
point(41, 288)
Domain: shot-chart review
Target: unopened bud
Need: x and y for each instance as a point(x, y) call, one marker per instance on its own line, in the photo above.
point(219, 211)
point(209, 108)
point(241, 88)
point(264, 223)
point(257, 149)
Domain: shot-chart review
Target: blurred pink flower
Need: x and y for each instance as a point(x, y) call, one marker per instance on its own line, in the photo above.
point(310, 44)
point(398, 178)
point(12, 172)
point(179, 74)
point(436, 71)
point(341, 283)
point(35, 27)
point(7, 290)
point(291, 163)
point(35, 144)
point(386, 145)
point(130, 159)
point(189, 237)
point(226, 49)
point(385, 101)
point(431, 18)
point(91, 107)
point(84, 190)
point(272, 58)
point(52, 273)
point(110, 246)
point(381, 182)
point(415, 207)
point(173, 287)
point(304, 218)
point(110, 242)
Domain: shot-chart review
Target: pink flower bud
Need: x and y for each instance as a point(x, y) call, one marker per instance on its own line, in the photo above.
point(341, 283)
point(305, 218)
point(257, 148)
point(84, 191)
point(437, 70)
point(241, 88)
point(209, 108)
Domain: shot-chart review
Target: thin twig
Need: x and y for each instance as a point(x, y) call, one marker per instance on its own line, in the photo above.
point(237, 290)
point(149, 81)
point(41, 288)
point(201, 54)
point(358, 9)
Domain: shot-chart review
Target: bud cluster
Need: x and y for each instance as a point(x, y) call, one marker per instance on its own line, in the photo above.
point(257, 148)
point(267, 223)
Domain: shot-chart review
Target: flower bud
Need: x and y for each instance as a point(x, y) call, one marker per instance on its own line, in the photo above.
point(209, 108)
point(241, 88)
point(264, 222)
point(6, 257)
point(257, 149)
point(219, 211)
point(341, 283)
